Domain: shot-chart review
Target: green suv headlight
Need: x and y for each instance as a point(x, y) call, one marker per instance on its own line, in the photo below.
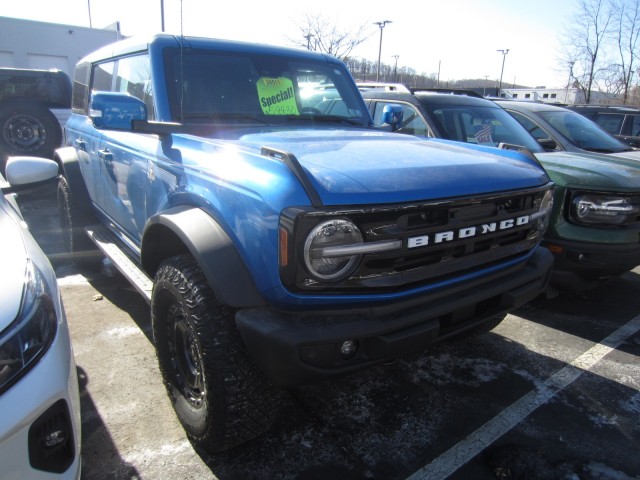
point(329, 252)
point(603, 210)
point(31, 334)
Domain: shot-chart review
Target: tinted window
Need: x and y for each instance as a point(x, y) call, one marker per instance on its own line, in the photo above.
point(635, 126)
point(102, 77)
point(52, 88)
point(81, 88)
point(582, 132)
point(611, 122)
point(481, 125)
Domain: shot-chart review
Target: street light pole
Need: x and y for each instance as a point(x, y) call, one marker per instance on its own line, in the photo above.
point(395, 69)
point(381, 25)
point(162, 15)
point(504, 56)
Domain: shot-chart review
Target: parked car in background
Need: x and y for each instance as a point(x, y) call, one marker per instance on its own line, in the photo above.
point(385, 87)
point(595, 220)
point(34, 106)
point(621, 121)
point(39, 399)
point(562, 130)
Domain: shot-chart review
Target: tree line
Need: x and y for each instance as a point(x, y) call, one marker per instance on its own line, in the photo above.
point(597, 50)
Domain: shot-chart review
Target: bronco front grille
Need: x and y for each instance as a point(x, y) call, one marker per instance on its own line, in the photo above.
point(439, 240)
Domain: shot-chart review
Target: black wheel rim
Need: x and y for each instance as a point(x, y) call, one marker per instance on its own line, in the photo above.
point(24, 133)
point(185, 358)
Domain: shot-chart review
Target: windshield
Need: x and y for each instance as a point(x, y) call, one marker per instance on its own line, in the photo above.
point(582, 132)
point(482, 125)
point(210, 86)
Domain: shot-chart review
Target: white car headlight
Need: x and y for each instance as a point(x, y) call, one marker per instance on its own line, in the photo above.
point(30, 335)
point(604, 210)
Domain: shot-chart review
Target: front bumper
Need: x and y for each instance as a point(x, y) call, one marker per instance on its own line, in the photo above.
point(298, 348)
point(46, 397)
point(579, 266)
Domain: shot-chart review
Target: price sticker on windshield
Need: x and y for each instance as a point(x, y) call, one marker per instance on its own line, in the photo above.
point(277, 96)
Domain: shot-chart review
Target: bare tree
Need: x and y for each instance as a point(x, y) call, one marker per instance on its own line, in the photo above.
point(627, 35)
point(584, 42)
point(321, 35)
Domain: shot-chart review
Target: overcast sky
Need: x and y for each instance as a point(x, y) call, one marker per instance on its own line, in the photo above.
point(457, 38)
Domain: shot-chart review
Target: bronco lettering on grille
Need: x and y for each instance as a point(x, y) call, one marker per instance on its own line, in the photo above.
point(466, 232)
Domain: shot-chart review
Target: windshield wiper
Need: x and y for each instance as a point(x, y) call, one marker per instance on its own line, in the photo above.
point(225, 117)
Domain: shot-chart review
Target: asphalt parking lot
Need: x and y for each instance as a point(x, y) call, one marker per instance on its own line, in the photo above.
point(553, 392)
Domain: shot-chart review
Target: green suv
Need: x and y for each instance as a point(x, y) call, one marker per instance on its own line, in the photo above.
point(596, 214)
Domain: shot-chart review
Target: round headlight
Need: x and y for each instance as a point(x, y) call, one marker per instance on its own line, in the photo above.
point(324, 255)
point(544, 211)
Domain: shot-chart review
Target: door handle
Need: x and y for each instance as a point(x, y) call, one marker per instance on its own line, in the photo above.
point(81, 143)
point(106, 154)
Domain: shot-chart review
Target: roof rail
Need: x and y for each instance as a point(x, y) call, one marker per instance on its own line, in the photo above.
point(451, 91)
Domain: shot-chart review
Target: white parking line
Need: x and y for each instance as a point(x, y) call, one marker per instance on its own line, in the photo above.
point(465, 450)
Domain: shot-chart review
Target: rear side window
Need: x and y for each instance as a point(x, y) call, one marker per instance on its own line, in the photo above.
point(80, 101)
point(611, 122)
point(53, 88)
point(635, 127)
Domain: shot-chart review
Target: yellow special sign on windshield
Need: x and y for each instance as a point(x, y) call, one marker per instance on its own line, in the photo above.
point(277, 96)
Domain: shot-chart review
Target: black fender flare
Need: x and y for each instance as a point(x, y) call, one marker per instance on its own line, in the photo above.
point(69, 166)
point(213, 250)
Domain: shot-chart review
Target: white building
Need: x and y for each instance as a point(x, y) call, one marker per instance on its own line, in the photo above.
point(41, 45)
point(566, 96)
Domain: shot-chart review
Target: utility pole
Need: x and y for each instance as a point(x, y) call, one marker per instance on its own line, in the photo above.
point(381, 25)
point(89, 7)
point(162, 15)
point(395, 69)
point(504, 56)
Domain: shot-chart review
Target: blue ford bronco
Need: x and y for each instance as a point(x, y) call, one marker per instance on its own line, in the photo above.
point(278, 236)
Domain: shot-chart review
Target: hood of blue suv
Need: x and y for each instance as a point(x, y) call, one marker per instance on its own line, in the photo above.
point(344, 167)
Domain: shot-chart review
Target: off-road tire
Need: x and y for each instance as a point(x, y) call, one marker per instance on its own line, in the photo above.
point(220, 396)
point(74, 217)
point(28, 128)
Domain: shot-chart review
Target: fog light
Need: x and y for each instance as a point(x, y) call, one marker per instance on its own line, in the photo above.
point(349, 348)
point(55, 438)
point(51, 442)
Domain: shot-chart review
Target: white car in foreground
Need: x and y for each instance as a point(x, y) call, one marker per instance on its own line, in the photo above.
point(39, 398)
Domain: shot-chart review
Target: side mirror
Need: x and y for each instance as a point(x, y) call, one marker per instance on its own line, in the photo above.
point(24, 173)
point(115, 111)
point(392, 115)
point(547, 144)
